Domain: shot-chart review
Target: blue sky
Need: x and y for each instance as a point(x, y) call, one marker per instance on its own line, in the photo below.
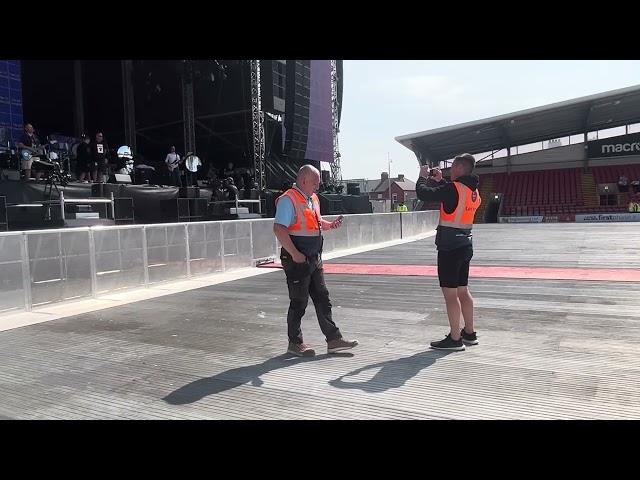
point(383, 99)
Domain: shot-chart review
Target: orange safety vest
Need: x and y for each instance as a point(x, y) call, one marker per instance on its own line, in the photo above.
point(307, 220)
point(462, 216)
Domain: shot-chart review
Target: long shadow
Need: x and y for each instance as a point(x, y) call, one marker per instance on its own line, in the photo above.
point(203, 387)
point(392, 373)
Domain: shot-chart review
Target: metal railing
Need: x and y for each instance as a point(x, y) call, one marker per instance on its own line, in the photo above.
point(42, 267)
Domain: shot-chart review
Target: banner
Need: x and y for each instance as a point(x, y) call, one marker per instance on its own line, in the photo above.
point(532, 219)
point(608, 217)
point(562, 218)
point(621, 146)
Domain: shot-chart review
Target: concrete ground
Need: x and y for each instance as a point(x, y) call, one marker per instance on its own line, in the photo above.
point(549, 348)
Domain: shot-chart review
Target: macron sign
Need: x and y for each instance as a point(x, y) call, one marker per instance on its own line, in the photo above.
point(625, 145)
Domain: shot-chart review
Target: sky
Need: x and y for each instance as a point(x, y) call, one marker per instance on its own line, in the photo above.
point(383, 99)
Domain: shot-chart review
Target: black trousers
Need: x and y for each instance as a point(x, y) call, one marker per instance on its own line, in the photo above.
point(306, 280)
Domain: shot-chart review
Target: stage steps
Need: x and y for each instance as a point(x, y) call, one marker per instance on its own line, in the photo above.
point(486, 189)
point(589, 191)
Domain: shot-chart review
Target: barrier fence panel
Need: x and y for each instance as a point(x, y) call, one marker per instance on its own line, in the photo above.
point(12, 288)
point(416, 223)
point(119, 258)
point(52, 266)
point(59, 265)
point(205, 248)
point(237, 244)
point(263, 239)
point(166, 252)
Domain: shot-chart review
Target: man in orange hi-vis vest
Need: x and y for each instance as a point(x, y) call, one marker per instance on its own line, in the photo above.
point(459, 200)
point(298, 226)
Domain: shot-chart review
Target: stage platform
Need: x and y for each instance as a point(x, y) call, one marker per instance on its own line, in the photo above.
point(550, 347)
point(157, 203)
point(147, 199)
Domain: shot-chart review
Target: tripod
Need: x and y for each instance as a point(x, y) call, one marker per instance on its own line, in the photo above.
point(51, 183)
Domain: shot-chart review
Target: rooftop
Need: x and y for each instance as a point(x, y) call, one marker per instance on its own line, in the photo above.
point(594, 112)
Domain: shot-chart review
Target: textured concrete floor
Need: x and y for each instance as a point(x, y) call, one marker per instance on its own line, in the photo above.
point(553, 349)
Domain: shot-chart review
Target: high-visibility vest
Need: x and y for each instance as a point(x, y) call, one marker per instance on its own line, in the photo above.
point(462, 217)
point(306, 224)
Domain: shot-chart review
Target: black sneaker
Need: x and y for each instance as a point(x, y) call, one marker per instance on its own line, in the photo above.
point(448, 344)
point(468, 338)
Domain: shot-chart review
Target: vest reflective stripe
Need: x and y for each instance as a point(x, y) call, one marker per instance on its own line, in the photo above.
point(306, 224)
point(463, 215)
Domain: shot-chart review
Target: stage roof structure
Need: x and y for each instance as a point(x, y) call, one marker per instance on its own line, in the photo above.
point(605, 110)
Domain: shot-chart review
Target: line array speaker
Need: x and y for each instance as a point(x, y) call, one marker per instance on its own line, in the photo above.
point(273, 85)
point(296, 119)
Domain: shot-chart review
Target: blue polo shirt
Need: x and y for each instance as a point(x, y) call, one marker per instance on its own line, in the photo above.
point(286, 212)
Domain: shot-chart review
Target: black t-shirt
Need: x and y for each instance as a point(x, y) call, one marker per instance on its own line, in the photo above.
point(99, 152)
point(83, 153)
point(27, 140)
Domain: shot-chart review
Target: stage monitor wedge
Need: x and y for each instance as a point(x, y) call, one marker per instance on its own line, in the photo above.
point(273, 85)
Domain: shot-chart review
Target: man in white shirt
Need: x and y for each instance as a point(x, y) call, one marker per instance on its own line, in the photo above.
point(172, 161)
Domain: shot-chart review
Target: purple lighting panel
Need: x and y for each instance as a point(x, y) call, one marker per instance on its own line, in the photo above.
point(320, 139)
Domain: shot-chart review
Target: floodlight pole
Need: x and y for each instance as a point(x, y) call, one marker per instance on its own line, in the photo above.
point(389, 180)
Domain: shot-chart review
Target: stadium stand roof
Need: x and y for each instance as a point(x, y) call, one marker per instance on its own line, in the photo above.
point(571, 117)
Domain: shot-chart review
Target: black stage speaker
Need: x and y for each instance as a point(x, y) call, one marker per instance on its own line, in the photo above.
point(97, 190)
point(353, 188)
point(123, 209)
point(296, 118)
point(272, 85)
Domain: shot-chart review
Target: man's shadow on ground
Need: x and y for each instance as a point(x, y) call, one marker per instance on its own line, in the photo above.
point(391, 374)
point(197, 390)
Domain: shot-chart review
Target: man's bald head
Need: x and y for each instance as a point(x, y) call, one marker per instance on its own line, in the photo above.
point(308, 179)
point(307, 170)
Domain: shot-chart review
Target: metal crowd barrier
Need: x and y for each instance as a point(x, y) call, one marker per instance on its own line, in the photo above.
point(42, 267)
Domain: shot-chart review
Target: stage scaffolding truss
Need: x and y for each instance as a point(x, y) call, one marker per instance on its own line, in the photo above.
point(336, 174)
point(257, 117)
point(257, 121)
point(188, 112)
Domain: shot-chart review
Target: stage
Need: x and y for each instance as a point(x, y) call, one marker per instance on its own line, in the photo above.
point(147, 199)
point(159, 203)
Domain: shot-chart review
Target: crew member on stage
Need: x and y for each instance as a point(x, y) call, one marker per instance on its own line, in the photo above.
point(29, 141)
point(173, 162)
point(84, 160)
point(100, 158)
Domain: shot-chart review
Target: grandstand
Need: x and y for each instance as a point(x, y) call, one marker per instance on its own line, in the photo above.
point(559, 162)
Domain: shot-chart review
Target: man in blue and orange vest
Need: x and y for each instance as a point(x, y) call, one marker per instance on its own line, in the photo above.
point(459, 200)
point(298, 226)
